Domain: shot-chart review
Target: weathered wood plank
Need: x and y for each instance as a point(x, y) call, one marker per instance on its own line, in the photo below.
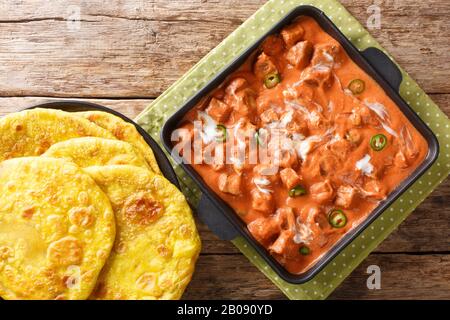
point(410, 237)
point(402, 276)
point(138, 48)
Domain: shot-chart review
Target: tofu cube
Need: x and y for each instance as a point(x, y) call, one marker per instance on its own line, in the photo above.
point(219, 110)
point(264, 66)
point(263, 229)
point(269, 116)
point(300, 54)
point(322, 192)
point(345, 196)
point(292, 34)
point(262, 202)
point(289, 178)
point(230, 183)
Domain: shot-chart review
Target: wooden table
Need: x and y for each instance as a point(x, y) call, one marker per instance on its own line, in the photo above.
point(126, 53)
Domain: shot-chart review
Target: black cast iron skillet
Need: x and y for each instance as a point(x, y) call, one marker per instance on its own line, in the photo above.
point(77, 106)
point(225, 223)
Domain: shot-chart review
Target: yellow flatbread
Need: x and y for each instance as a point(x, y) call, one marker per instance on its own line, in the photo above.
point(124, 131)
point(91, 151)
point(32, 132)
point(56, 229)
point(157, 243)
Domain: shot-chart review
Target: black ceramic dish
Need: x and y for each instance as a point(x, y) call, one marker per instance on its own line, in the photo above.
point(223, 221)
point(77, 106)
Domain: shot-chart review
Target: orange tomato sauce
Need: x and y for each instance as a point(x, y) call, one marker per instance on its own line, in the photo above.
point(298, 83)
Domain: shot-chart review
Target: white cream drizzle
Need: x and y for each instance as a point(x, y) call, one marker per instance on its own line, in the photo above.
point(305, 146)
point(261, 184)
point(303, 232)
point(209, 130)
point(407, 139)
point(364, 165)
point(313, 116)
point(383, 115)
point(328, 56)
point(378, 108)
point(321, 67)
point(286, 119)
point(297, 137)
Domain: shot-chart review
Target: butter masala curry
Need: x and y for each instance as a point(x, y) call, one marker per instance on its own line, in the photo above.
point(338, 144)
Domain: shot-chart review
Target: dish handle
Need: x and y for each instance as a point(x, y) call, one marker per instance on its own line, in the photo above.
point(215, 220)
point(385, 67)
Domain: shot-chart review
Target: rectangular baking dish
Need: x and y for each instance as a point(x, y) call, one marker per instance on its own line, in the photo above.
point(224, 222)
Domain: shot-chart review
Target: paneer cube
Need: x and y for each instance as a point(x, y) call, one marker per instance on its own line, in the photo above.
point(300, 54)
point(273, 45)
point(230, 183)
point(318, 75)
point(288, 159)
point(294, 121)
point(264, 66)
point(355, 118)
point(325, 54)
point(292, 34)
point(245, 104)
point(286, 218)
point(345, 196)
point(262, 201)
point(235, 85)
point(219, 110)
point(269, 116)
point(284, 245)
point(264, 229)
point(353, 136)
point(374, 189)
point(289, 178)
point(341, 148)
point(322, 192)
point(328, 164)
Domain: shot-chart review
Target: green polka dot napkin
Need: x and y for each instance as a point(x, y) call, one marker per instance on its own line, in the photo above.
point(331, 276)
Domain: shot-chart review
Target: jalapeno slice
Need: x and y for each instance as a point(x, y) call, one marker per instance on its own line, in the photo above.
point(357, 86)
point(304, 250)
point(337, 218)
point(378, 142)
point(296, 191)
point(271, 80)
point(221, 133)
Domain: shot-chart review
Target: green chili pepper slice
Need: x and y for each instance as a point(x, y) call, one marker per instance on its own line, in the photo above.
point(378, 142)
point(357, 86)
point(271, 80)
point(337, 218)
point(296, 191)
point(222, 133)
point(304, 250)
